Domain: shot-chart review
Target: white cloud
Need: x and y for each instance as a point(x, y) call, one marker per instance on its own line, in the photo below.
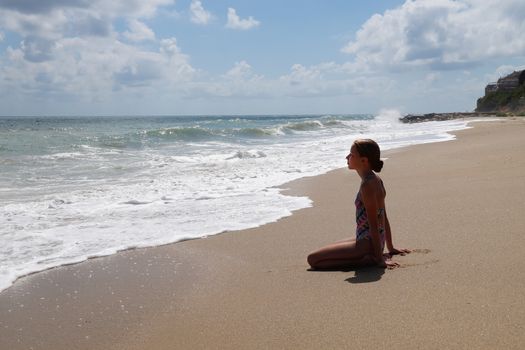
point(198, 14)
point(239, 81)
point(1, 36)
point(51, 25)
point(115, 8)
point(301, 74)
point(70, 48)
point(241, 70)
point(502, 71)
point(314, 86)
point(129, 8)
point(55, 19)
point(93, 69)
point(328, 79)
point(40, 7)
point(138, 31)
point(235, 22)
point(323, 80)
point(440, 34)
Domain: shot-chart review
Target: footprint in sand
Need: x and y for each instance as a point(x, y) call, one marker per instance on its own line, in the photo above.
point(424, 263)
point(421, 251)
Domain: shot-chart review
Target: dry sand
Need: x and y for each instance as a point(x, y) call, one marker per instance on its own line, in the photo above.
point(460, 205)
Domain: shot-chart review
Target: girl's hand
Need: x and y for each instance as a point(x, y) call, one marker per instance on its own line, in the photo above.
point(395, 251)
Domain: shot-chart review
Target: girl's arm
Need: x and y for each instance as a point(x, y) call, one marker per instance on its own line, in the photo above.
point(388, 234)
point(389, 244)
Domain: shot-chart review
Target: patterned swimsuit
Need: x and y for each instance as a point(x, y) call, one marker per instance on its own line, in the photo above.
point(361, 218)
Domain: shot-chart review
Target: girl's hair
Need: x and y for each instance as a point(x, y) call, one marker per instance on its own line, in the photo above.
point(370, 149)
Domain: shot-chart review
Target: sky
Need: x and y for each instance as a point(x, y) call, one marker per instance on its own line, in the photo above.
point(190, 57)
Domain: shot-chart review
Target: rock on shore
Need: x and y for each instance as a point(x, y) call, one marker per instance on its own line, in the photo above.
point(418, 118)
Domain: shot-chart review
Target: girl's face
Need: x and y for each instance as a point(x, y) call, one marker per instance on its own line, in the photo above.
point(353, 158)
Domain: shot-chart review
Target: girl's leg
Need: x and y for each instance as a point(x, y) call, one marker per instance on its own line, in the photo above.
point(346, 240)
point(343, 253)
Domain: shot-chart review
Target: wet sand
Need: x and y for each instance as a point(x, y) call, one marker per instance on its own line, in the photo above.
point(460, 205)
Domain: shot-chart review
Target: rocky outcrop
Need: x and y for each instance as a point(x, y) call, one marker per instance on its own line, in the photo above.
point(419, 118)
point(506, 95)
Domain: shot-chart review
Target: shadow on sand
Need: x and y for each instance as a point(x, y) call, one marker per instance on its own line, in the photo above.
point(362, 274)
point(366, 275)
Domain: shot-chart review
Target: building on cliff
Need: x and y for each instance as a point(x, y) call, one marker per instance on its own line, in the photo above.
point(506, 95)
point(507, 83)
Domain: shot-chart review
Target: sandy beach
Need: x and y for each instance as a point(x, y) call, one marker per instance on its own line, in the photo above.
point(459, 205)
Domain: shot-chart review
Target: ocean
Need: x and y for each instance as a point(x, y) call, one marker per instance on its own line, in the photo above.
point(72, 188)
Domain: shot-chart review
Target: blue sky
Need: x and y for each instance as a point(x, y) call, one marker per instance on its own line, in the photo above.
point(173, 57)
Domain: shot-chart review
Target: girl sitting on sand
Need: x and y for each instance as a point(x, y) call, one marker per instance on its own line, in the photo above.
point(373, 228)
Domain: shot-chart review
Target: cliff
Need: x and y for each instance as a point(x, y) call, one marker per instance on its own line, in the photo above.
point(507, 95)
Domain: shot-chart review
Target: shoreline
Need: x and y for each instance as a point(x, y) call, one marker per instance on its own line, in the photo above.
point(287, 188)
point(251, 289)
point(84, 258)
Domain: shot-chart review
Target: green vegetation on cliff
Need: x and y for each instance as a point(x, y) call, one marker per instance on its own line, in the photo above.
point(503, 101)
point(507, 95)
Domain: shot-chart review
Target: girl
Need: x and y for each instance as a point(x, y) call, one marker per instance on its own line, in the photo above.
point(373, 228)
